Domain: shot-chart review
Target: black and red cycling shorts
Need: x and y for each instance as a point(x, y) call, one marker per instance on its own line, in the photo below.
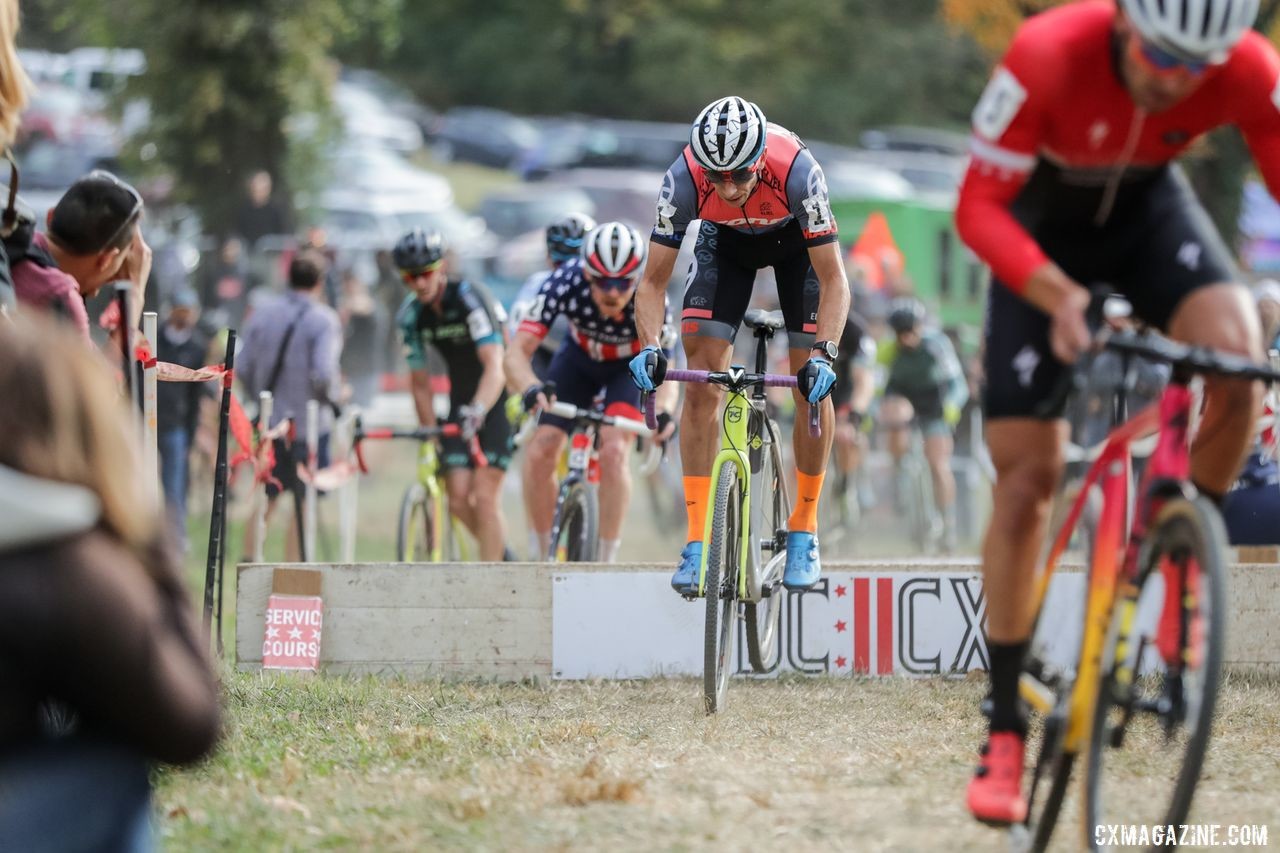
point(723, 272)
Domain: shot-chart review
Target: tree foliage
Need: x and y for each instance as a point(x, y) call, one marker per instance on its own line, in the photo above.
point(226, 76)
point(827, 68)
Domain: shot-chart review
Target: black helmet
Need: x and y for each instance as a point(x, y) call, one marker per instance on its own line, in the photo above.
point(418, 250)
point(905, 313)
point(564, 236)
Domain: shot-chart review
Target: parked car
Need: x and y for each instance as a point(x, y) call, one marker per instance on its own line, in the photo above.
point(60, 114)
point(482, 135)
point(352, 165)
point(518, 209)
point(925, 140)
point(366, 119)
point(42, 66)
point(355, 215)
point(49, 168)
point(605, 144)
point(395, 97)
point(848, 180)
point(102, 71)
point(627, 195)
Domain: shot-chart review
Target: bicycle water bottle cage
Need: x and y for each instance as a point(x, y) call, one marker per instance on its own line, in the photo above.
point(580, 451)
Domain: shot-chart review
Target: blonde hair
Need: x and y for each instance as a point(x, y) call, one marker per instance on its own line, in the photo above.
point(63, 418)
point(14, 83)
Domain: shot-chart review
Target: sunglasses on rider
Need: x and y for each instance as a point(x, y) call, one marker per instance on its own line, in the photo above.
point(410, 276)
point(611, 285)
point(1160, 61)
point(738, 176)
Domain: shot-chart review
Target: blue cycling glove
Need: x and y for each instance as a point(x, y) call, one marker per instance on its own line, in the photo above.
point(816, 379)
point(648, 368)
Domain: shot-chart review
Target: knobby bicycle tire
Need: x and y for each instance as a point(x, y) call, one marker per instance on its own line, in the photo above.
point(1182, 526)
point(415, 535)
point(1053, 767)
point(575, 525)
point(763, 617)
point(721, 589)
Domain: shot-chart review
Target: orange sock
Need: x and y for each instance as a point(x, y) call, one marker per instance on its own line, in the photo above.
point(804, 515)
point(696, 491)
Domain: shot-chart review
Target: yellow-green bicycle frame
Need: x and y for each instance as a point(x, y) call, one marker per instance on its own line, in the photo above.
point(733, 451)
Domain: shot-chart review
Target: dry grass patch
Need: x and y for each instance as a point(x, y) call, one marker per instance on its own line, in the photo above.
point(803, 763)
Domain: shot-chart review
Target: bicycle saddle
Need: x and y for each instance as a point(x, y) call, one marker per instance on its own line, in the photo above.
point(758, 318)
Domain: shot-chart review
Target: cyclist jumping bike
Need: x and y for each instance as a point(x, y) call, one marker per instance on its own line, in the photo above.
point(762, 201)
point(1070, 182)
point(745, 536)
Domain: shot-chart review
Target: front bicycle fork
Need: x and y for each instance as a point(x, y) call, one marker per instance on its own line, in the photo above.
point(733, 451)
point(436, 499)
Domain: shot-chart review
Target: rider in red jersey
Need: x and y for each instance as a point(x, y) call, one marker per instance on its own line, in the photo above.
point(1071, 184)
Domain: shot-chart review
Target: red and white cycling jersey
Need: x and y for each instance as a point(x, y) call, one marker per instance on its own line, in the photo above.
point(1057, 100)
point(791, 186)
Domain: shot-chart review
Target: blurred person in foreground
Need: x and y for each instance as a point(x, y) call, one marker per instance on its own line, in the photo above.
point(180, 341)
point(292, 346)
point(1090, 89)
point(93, 238)
point(103, 666)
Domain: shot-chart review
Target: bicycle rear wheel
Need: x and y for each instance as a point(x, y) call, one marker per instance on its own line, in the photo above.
point(1161, 673)
point(763, 617)
point(722, 589)
point(417, 533)
point(575, 525)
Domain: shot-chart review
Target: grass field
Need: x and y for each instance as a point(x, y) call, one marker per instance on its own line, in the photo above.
point(844, 764)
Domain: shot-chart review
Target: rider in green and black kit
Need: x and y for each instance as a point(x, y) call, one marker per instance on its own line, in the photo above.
point(464, 325)
point(925, 382)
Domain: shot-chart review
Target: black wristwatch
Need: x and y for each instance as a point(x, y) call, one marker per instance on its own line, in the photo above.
point(827, 348)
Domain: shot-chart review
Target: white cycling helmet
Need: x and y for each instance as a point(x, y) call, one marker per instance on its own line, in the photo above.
point(613, 250)
point(728, 134)
point(1195, 30)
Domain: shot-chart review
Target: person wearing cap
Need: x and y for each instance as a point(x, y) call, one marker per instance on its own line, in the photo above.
point(180, 341)
point(93, 238)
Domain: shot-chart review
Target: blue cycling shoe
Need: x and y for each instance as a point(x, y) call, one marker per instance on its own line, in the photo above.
point(803, 565)
point(685, 580)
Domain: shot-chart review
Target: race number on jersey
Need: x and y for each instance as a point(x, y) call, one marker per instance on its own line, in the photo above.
point(998, 105)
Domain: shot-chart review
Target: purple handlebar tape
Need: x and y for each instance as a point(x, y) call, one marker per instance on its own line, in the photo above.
point(650, 410)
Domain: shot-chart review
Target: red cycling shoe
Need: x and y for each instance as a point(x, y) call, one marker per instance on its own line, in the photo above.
point(995, 791)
